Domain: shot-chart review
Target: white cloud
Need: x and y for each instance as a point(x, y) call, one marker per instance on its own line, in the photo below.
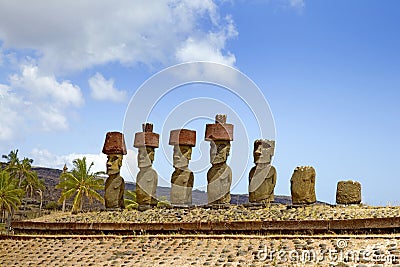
point(49, 39)
point(44, 158)
point(10, 118)
point(209, 47)
point(89, 33)
point(36, 102)
point(297, 4)
point(102, 89)
point(40, 86)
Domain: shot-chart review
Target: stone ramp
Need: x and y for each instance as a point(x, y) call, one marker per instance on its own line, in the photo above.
point(199, 250)
point(367, 225)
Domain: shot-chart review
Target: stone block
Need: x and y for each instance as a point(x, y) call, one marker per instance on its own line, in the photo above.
point(220, 130)
point(114, 143)
point(302, 185)
point(182, 137)
point(147, 137)
point(348, 192)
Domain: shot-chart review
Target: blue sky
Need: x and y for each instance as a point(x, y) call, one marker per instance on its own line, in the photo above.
point(330, 71)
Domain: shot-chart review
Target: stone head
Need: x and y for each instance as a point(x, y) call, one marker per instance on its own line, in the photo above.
point(114, 163)
point(219, 151)
point(183, 140)
point(182, 155)
point(263, 151)
point(145, 156)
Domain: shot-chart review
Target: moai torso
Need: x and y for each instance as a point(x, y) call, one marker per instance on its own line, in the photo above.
point(219, 176)
point(147, 178)
point(264, 180)
point(262, 177)
point(181, 187)
point(146, 186)
point(114, 188)
point(114, 192)
point(302, 185)
point(182, 178)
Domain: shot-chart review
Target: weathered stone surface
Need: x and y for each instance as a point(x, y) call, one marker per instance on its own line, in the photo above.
point(182, 137)
point(115, 186)
point(262, 177)
point(146, 185)
point(182, 178)
point(114, 143)
point(220, 130)
point(114, 147)
point(263, 151)
point(114, 192)
point(348, 192)
point(262, 181)
point(147, 137)
point(181, 187)
point(147, 127)
point(147, 178)
point(302, 185)
point(219, 176)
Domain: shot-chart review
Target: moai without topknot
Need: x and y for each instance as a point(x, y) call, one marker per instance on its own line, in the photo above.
point(302, 185)
point(114, 147)
point(262, 177)
point(348, 192)
point(147, 178)
point(182, 178)
point(219, 176)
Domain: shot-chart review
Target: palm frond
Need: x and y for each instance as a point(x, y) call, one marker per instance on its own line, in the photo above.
point(10, 194)
point(130, 200)
point(80, 183)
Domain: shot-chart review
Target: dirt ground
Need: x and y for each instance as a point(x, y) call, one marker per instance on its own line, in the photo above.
point(198, 250)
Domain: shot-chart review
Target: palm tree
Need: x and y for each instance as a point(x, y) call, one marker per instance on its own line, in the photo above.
point(12, 158)
point(13, 162)
point(30, 184)
point(130, 200)
point(25, 172)
point(40, 193)
point(10, 196)
point(80, 182)
point(20, 169)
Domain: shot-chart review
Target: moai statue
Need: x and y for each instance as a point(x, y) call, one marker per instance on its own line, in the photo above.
point(302, 185)
point(219, 176)
point(182, 178)
point(348, 192)
point(114, 147)
point(262, 177)
point(147, 178)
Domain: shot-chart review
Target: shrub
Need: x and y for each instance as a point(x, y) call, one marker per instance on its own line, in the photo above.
point(52, 205)
point(163, 202)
